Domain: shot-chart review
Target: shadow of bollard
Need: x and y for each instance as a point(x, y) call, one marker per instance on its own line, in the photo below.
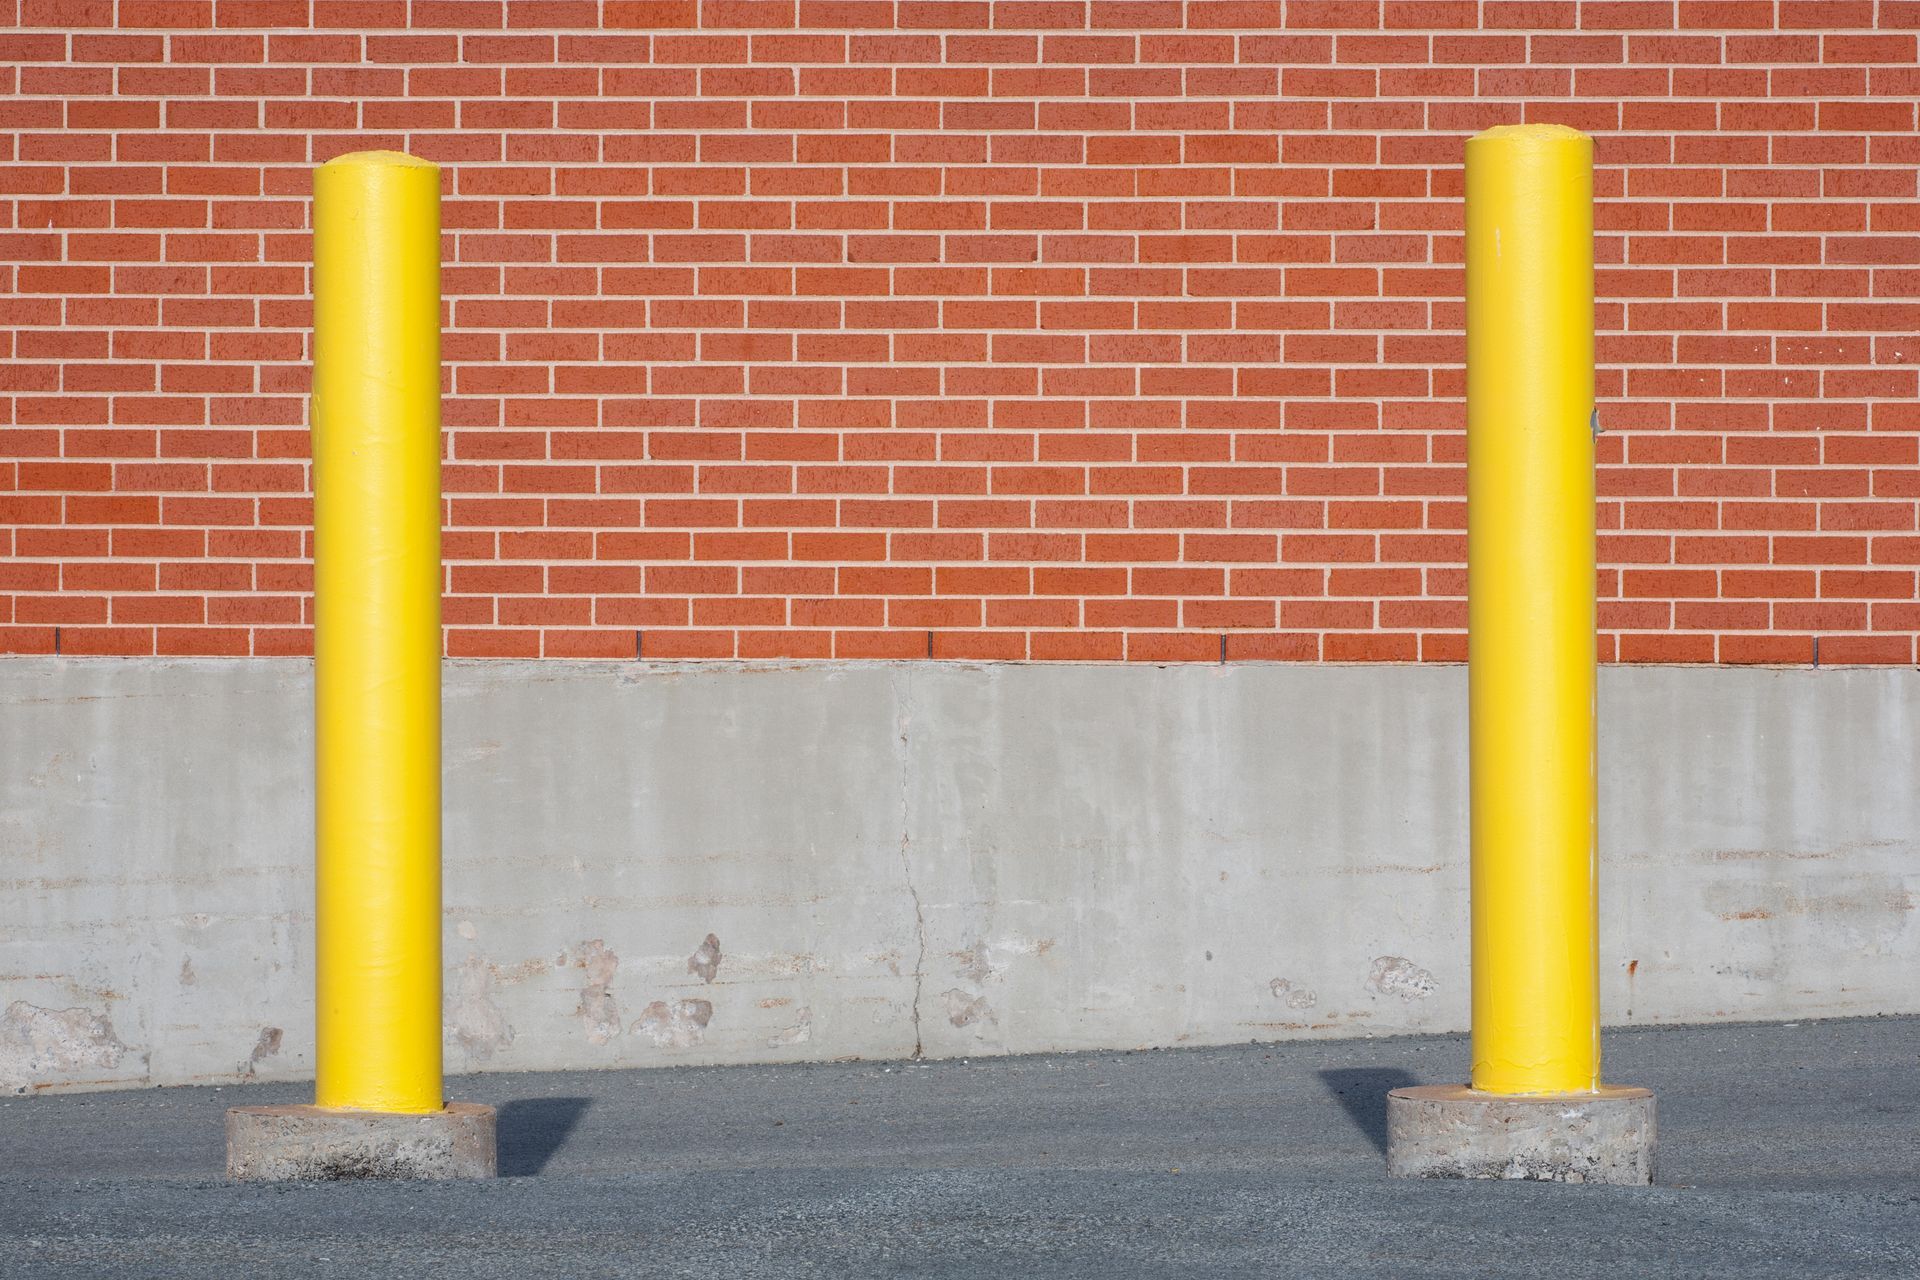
point(530, 1130)
point(1362, 1091)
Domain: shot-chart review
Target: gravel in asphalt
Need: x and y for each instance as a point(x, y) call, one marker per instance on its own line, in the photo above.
point(1786, 1150)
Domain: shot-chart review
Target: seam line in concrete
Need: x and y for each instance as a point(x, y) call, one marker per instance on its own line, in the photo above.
point(906, 859)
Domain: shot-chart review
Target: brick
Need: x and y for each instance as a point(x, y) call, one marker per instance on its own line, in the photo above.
point(1113, 336)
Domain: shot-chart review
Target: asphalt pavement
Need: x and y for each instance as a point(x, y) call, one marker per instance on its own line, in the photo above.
point(1786, 1150)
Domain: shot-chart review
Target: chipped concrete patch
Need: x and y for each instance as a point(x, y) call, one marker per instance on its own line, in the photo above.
point(974, 964)
point(679, 1025)
point(799, 1033)
point(39, 1045)
point(267, 1046)
point(479, 1024)
point(1096, 807)
point(1399, 976)
point(982, 961)
point(963, 1010)
point(598, 1011)
point(1296, 997)
point(705, 961)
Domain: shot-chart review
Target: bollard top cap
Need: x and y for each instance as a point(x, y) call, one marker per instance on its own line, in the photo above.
point(1531, 135)
point(379, 160)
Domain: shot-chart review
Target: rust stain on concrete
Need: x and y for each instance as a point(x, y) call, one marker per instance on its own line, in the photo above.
point(509, 973)
point(1873, 907)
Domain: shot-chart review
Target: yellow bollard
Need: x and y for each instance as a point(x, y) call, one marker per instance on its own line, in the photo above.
point(377, 1110)
point(376, 465)
point(1536, 1108)
point(1530, 554)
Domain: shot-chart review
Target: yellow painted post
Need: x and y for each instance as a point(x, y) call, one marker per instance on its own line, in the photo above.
point(1530, 554)
point(376, 464)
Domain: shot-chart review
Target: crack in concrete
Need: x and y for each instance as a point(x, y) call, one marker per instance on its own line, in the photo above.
point(906, 861)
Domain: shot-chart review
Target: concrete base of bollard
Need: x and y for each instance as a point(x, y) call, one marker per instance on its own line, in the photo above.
point(283, 1144)
point(1450, 1131)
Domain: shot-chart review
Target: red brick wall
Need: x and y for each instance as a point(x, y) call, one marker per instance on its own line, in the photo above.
point(975, 330)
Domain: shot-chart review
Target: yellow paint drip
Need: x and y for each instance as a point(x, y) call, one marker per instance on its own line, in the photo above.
point(1531, 579)
point(376, 464)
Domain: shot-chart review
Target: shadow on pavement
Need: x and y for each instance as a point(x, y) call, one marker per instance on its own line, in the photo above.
point(1363, 1092)
point(530, 1130)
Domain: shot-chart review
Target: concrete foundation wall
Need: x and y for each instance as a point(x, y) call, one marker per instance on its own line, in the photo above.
point(721, 863)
